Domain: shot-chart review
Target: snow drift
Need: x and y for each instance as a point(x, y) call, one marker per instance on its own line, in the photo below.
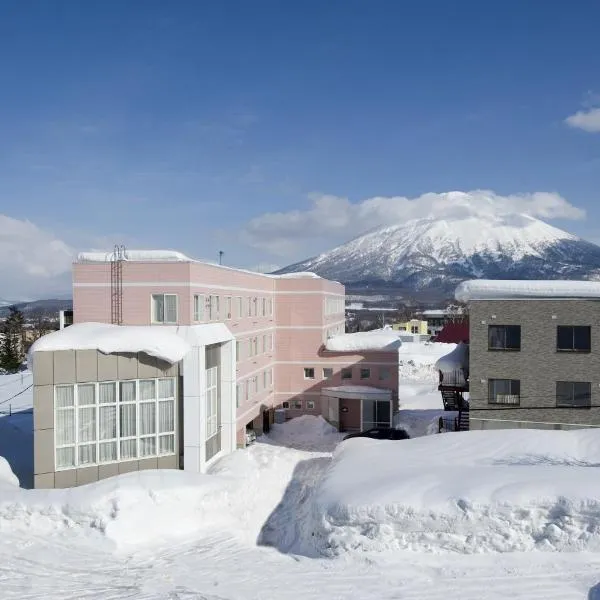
point(379, 339)
point(473, 492)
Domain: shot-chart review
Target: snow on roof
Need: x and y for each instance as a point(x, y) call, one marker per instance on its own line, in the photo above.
point(455, 360)
point(174, 256)
point(379, 339)
point(136, 255)
point(160, 342)
point(488, 289)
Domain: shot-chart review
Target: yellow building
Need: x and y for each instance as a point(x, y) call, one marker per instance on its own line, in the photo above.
point(412, 326)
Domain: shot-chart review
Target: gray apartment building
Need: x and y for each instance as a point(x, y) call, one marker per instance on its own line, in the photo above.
point(534, 354)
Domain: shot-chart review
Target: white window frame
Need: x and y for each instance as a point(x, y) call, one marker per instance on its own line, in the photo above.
point(212, 402)
point(240, 306)
point(198, 307)
point(228, 307)
point(330, 376)
point(75, 408)
point(308, 376)
point(285, 404)
point(310, 405)
point(153, 318)
point(214, 307)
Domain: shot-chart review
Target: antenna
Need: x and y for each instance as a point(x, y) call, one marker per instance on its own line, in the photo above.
point(221, 256)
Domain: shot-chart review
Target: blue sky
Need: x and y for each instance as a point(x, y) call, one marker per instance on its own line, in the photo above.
point(186, 125)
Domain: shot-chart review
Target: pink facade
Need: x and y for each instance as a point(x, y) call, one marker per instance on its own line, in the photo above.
point(280, 325)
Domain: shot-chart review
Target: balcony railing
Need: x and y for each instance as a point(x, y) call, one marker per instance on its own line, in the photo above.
point(454, 379)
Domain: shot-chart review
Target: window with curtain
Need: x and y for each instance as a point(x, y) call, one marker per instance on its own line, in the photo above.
point(111, 421)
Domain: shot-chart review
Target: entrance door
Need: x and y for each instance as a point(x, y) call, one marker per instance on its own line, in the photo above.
point(349, 415)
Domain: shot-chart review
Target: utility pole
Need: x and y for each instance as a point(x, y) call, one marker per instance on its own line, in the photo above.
point(221, 256)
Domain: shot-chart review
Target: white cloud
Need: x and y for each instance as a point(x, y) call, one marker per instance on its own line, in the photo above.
point(588, 120)
point(330, 220)
point(33, 262)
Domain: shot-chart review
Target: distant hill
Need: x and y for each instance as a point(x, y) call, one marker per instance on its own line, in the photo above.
point(50, 307)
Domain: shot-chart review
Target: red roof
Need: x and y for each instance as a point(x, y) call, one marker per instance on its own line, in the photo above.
point(453, 333)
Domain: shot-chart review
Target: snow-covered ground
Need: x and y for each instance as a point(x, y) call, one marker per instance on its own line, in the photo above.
point(245, 531)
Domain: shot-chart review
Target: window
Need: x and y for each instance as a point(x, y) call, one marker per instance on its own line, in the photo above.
point(238, 395)
point(254, 307)
point(264, 307)
point(285, 405)
point(240, 307)
point(347, 373)
point(238, 351)
point(270, 377)
point(504, 391)
point(164, 308)
point(264, 380)
point(270, 306)
point(103, 422)
point(198, 307)
point(310, 405)
point(309, 373)
point(213, 308)
point(327, 373)
point(264, 343)
point(255, 384)
point(212, 422)
point(375, 413)
point(249, 306)
point(573, 394)
point(414, 329)
point(297, 404)
point(573, 338)
point(504, 337)
point(228, 314)
point(365, 373)
point(254, 346)
point(384, 373)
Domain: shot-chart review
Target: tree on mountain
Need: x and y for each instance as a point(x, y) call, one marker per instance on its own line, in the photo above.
point(11, 342)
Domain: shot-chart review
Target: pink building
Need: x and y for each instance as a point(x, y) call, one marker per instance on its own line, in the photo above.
point(272, 334)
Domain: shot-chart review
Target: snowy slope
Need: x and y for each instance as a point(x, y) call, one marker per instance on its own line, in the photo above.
point(429, 253)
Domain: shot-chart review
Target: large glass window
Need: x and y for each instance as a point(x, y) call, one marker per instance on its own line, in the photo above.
point(375, 413)
point(504, 391)
point(573, 338)
point(504, 337)
point(109, 421)
point(164, 308)
point(573, 394)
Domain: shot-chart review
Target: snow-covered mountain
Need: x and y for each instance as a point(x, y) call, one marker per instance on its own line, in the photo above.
point(436, 254)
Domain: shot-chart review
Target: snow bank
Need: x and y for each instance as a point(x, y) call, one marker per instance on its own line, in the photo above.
point(379, 339)
point(455, 360)
point(155, 341)
point(6, 474)
point(473, 492)
point(487, 289)
point(306, 432)
point(127, 510)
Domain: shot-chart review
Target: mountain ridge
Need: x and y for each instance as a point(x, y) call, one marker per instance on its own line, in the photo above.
point(430, 253)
